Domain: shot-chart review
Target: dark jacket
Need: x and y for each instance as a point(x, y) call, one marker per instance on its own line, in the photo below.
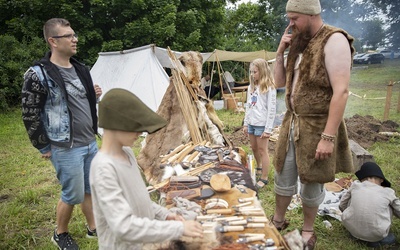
point(45, 110)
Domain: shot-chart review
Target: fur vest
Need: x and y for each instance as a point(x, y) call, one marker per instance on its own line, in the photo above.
point(310, 113)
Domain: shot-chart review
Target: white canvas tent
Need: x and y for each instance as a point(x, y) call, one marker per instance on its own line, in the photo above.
point(139, 70)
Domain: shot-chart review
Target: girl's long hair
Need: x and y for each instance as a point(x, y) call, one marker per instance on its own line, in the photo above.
point(266, 78)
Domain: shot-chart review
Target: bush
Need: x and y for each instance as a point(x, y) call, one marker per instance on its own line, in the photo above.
point(15, 59)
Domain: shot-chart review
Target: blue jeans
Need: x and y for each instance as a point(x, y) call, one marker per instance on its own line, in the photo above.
point(255, 130)
point(72, 166)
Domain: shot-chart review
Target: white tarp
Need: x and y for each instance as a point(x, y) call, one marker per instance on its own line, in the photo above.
point(137, 70)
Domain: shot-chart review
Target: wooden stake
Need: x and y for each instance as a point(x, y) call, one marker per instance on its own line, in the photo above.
point(388, 98)
point(398, 103)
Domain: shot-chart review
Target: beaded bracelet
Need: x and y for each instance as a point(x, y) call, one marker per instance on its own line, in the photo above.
point(326, 137)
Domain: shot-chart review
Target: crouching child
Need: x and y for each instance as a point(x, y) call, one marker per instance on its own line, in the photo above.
point(368, 207)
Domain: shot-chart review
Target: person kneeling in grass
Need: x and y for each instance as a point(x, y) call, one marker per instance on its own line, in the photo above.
point(368, 207)
point(125, 216)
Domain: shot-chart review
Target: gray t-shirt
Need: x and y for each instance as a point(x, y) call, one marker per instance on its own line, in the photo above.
point(78, 104)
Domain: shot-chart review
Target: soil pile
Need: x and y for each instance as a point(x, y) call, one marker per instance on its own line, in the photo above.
point(362, 129)
point(365, 129)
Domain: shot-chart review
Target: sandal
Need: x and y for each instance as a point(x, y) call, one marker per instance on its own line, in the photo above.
point(258, 171)
point(263, 181)
point(312, 242)
point(284, 224)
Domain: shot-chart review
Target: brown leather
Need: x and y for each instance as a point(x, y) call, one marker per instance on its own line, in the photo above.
point(180, 185)
point(283, 224)
point(184, 178)
point(187, 194)
point(310, 245)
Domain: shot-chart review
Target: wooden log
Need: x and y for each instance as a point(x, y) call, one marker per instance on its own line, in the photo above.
point(176, 156)
point(360, 155)
point(175, 151)
point(185, 152)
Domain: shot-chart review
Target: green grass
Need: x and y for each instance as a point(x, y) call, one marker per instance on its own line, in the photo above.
point(371, 84)
point(29, 189)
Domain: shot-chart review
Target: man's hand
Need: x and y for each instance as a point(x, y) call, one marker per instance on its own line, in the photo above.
point(285, 40)
point(324, 150)
point(97, 90)
point(46, 155)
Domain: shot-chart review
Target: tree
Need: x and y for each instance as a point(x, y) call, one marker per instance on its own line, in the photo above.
point(373, 33)
point(391, 8)
point(103, 25)
point(255, 26)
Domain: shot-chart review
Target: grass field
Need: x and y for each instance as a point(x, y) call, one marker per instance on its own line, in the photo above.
point(29, 190)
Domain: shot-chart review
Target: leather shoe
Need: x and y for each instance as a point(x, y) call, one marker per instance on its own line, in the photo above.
point(282, 225)
point(311, 243)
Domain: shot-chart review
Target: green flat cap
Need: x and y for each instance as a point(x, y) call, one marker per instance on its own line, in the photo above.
point(122, 110)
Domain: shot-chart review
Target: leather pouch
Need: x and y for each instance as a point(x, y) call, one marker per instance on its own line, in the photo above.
point(189, 194)
point(184, 182)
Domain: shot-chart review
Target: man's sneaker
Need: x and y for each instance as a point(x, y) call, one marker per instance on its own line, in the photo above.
point(91, 234)
point(64, 241)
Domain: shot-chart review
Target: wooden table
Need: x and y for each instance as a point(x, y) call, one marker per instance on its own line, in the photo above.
point(269, 230)
point(243, 90)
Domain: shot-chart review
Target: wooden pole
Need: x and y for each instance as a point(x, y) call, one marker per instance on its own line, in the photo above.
point(398, 103)
point(388, 98)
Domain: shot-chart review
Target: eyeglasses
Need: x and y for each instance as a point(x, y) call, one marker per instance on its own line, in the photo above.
point(69, 36)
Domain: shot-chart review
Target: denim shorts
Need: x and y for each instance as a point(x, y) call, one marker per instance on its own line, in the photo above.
point(72, 166)
point(255, 130)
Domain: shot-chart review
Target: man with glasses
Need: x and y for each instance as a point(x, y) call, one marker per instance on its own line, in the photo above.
point(59, 113)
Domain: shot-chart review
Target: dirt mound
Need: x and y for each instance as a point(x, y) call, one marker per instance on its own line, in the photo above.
point(362, 129)
point(365, 129)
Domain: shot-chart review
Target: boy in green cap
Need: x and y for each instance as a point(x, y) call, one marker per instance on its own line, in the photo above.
point(125, 216)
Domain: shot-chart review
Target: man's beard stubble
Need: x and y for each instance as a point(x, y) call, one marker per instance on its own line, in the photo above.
point(300, 41)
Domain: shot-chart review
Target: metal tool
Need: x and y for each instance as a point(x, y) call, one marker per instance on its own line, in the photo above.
point(219, 211)
point(242, 200)
point(205, 217)
point(249, 208)
point(224, 229)
point(250, 213)
point(242, 204)
point(257, 219)
point(255, 225)
point(235, 222)
point(241, 189)
point(230, 218)
point(251, 239)
point(249, 235)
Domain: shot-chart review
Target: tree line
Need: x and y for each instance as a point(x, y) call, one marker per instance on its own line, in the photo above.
point(182, 25)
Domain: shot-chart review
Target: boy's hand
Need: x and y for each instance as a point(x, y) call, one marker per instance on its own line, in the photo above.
point(192, 229)
point(174, 216)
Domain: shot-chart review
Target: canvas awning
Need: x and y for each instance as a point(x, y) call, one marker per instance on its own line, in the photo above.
point(223, 55)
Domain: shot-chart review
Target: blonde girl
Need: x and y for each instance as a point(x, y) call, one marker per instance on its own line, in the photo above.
point(260, 115)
